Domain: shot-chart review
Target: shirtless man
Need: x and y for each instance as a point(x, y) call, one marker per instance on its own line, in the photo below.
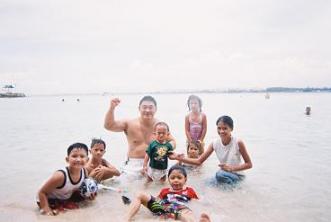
point(138, 131)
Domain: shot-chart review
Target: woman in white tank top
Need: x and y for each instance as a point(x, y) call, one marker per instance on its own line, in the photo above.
point(230, 151)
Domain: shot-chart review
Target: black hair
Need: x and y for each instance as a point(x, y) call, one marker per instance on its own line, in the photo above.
point(78, 146)
point(179, 168)
point(98, 141)
point(226, 120)
point(162, 124)
point(148, 98)
point(194, 97)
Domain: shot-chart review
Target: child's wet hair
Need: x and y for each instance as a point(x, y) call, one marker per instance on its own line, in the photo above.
point(179, 168)
point(195, 144)
point(148, 98)
point(226, 120)
point(162, 124)
point(97, 141)
point(194, 97)
point(77, 146)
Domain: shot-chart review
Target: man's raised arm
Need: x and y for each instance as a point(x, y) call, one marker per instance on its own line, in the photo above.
point(110, 122)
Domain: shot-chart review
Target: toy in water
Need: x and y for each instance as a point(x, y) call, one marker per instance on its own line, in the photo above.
point(125, 199)
point(88, 187)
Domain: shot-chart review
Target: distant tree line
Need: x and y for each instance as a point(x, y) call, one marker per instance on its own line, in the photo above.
point(289, 89)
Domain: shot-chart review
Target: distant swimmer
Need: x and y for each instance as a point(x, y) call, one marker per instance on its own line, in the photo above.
point(267, 96)
point(78, 100)
point(308, 110)
point(62, 100)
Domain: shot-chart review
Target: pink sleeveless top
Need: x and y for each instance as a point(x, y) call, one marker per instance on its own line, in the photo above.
point(195, 130)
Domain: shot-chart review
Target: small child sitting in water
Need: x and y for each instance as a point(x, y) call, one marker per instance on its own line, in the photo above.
point(171, 202)
point(97, 167)
point(194, 150)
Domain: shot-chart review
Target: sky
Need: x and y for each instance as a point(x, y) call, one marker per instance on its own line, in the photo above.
point(83, 46)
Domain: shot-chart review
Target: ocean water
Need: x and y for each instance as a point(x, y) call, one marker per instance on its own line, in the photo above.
point(291, 154)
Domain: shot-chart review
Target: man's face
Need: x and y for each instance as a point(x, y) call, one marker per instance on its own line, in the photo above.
point(147, 109)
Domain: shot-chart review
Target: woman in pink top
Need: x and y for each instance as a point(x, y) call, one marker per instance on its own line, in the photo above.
point(195, 121)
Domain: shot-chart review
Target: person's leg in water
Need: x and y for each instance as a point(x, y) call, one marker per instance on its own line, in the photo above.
point(227, 177)
point(141, 198)
point(148, 201)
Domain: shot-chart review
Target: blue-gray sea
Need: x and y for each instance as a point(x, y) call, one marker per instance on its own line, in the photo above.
point(291, 154)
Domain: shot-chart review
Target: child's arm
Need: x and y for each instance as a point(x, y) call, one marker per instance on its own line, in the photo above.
point(110, 169)
point(187, 129)
point(173, 156)
point(172, 141)
point(104, 171)
point(204, 127)
point(56, 180)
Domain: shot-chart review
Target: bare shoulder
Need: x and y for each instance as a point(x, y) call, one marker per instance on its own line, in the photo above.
point(240, 142)
point(104, 162)
point(56, 180)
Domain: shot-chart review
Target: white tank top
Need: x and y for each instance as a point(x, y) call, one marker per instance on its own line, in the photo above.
point(227, 154)
point(65, 191)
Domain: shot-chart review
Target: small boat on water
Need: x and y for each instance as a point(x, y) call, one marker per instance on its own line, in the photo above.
point(9, 94)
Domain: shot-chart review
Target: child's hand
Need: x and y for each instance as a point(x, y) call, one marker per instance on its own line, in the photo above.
point(180, 157)
point(92, 196)
point(98, 173)
point(49, 212)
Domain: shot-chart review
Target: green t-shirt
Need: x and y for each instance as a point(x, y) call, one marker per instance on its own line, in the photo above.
point(158, 154)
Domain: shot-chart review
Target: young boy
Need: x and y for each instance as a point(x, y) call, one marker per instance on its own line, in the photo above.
point(97, 167)
point(157, 154)
point(59, 191)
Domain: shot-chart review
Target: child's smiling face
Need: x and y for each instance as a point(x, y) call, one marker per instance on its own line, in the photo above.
point(177, 180)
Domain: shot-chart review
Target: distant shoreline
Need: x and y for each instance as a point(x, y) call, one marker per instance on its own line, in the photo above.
point(202, 91)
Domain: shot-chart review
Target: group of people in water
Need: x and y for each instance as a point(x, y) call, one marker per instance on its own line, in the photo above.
point(150, 145)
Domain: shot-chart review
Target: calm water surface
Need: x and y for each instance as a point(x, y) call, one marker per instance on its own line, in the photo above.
point(290, 151)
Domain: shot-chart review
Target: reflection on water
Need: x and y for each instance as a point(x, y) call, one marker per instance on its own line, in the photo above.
point(290, 151)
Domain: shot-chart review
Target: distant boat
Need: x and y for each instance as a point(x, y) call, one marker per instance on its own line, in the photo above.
point(9, 93)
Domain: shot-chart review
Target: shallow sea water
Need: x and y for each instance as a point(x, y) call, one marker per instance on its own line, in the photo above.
point(290, 151)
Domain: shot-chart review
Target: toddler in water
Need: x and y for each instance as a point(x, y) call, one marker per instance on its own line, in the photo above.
point(157, 154)
point(60, 191)
point(97, 167)
point(194, 150)
point(195, 121)
point(171, 202)
point(230, 152)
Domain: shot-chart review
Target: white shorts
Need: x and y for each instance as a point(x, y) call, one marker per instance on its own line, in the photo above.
point(156, 174)
point(132, 168)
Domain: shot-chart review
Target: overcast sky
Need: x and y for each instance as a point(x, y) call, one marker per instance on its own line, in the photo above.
point(75, 46)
